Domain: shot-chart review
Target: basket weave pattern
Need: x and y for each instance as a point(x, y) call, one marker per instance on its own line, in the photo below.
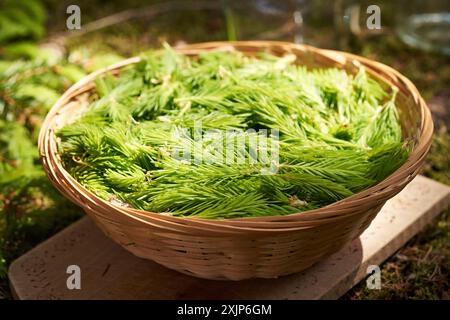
point(236, 249)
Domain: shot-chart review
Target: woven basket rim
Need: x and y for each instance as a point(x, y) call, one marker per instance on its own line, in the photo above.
point(48, 150)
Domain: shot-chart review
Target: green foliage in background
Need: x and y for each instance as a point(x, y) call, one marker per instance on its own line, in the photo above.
point(22, 19)
point(32, 77)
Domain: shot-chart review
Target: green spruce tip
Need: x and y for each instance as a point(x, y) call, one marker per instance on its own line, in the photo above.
point(338, 135)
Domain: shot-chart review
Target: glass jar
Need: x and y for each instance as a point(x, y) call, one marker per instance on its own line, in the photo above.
point(425, 24)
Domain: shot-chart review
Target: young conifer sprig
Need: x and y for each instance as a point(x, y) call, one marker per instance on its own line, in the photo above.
point(139, 142)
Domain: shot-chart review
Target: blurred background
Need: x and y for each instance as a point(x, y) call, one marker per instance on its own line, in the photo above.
point(45, 46)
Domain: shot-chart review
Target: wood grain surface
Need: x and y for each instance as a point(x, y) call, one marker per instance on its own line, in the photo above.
point(110, 272)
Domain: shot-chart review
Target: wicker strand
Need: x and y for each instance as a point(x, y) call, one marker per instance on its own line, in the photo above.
point(244, 248)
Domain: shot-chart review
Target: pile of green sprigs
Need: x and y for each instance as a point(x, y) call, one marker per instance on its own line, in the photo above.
point(338, 134)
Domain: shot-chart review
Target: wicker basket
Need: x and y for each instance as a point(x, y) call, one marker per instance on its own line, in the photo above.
point(236, 249)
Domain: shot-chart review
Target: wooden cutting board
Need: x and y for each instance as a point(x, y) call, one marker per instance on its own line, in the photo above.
point(109, 272)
